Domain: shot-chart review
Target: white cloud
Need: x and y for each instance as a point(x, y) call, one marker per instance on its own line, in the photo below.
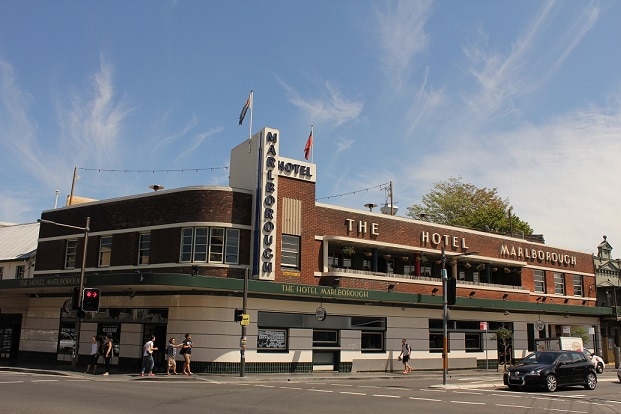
point(93, 120)
point(402, 36)
point(331, 110)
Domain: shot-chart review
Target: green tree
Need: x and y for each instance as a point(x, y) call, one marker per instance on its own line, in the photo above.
point(504, 337)
point(455, 203)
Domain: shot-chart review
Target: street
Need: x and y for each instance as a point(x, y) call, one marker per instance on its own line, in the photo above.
point(31, 393)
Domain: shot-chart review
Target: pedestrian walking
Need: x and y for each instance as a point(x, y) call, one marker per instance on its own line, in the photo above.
point(147, 357)
point(186, 351)
point(107, 353)
point(95, 351)
point(171, 354)
point(404, 356)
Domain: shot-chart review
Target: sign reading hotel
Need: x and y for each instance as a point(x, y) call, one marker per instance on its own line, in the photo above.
point(268, 198)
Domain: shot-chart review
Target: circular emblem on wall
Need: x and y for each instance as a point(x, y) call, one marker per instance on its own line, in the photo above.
point(320, 313)
point(540, 325)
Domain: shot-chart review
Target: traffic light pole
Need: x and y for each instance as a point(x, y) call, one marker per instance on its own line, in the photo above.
point(242, 340)
point(78, 319)
point(445, 312)
point(444, 319)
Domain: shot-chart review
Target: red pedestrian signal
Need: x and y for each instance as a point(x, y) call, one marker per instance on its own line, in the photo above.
point(90, 299)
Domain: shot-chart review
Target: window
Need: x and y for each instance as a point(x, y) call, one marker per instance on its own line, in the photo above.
point(105, 250)
point(372, 341)
point(144, 248)
point(19, 272)
point(578, 289)
point(325, 338)
point(473, 342)
point(1, 272)
point(216, 245)
point(186, 244)
point(209, 244)
point(559, 283)
point(232, 246)
point(70, 251)
point(200, 244)
point(290, 251)
point(540, 281)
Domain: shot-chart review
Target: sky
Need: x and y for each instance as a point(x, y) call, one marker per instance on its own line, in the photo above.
point(522, 96)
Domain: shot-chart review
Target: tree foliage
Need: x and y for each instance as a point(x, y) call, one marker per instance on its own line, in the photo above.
point(455, 203)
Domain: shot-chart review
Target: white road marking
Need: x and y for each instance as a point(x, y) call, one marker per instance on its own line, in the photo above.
point(352, 393)
point(425, 399)
point(386, 396)
point(512, 406)
point(468, 402)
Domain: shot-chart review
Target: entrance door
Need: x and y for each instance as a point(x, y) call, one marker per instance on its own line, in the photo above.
point(159, 356)
point(326, 350)
point(10, 328)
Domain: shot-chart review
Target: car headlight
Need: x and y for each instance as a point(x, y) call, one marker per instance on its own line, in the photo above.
point(535, 372)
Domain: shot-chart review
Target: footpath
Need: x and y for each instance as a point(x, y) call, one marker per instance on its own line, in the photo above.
point(471, 378)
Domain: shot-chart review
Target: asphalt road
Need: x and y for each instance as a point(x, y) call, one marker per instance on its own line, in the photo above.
point(28, 392)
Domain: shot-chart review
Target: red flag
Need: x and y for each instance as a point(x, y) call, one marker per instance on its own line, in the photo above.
point(309, 145)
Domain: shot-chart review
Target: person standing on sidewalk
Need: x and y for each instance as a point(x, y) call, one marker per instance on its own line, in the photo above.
point(171, 354)
point(147, 357)
point(186, 351)
point(404, 356)
point(95, 345)
point(107, 353)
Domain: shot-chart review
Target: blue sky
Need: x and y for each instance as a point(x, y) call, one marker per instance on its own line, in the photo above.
point(522, 96)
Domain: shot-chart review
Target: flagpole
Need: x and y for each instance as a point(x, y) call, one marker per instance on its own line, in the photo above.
point(312, 146)
point(251, 107)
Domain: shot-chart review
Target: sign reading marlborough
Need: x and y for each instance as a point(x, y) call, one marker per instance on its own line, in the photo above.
point(268, 197)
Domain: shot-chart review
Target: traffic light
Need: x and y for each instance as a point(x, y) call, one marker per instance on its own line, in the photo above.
point(238, 315)
point(90, 299)
point(451, 291)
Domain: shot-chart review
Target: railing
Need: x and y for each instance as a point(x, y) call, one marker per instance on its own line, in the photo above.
point(421, 278)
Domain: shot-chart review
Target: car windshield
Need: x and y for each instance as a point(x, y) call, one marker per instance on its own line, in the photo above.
point(540, 358)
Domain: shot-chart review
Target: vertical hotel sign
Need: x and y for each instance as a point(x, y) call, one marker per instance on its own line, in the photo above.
point(269, 198)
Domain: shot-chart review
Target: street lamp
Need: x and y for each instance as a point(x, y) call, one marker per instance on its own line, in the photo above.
point(445, 313)
point(85, 229)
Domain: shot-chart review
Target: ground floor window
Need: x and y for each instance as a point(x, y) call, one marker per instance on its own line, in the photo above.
point(325, 338)
point(372, 341)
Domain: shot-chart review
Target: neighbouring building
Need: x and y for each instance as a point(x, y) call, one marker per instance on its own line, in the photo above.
point(608, 281)
point(329, 288)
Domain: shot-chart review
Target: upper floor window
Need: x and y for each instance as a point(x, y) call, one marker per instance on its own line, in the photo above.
point(144, 248)
point(290, 251)
point(540, 281)
point(232, 246)
point(578, 288)
point(70, 252)
point(559, 283)
point(216, 245)
point(105, 250)
point(20, 271)
point(209, 244)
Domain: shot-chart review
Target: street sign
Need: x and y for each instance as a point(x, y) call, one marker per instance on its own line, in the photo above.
point(245, 320)
point(483, 326)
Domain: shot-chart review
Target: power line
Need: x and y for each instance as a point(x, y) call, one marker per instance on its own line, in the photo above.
point(380, 186)
point(153, 171)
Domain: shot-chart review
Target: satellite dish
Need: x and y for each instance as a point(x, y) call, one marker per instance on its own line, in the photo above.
point(156, 187)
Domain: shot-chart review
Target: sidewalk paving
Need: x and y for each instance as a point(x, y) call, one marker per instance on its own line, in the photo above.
point(458, 379)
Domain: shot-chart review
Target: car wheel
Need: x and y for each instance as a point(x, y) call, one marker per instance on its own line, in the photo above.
point(600, 368)
point(551, 383)
point(591, 381)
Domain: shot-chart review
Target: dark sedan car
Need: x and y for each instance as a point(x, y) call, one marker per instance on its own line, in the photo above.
point(552, 369)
